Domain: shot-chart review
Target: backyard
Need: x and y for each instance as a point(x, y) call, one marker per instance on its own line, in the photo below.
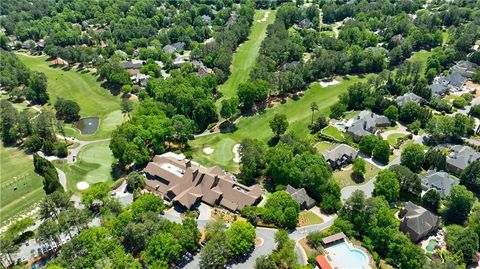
point(307, 217)
point(20, 186)
point(333, 132)
point(246, 55)
point(82, 87)
point(94, 164)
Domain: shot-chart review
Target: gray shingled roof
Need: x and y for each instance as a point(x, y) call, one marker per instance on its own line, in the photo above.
point(437, 88)
point(301, 196)
point(462, 156)
point(417, 221)
point(366, 122)
point(339, 151)
point(456, 79)
point(408, 97)
point(440, 181)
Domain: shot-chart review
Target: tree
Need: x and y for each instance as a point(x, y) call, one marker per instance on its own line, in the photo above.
point(47, 170)
point(214, 254)
point(359, 169)
point(265, 262)
point(49, 231)
point(279, 124)
point(337, 110)
point(458, 206)
point(320, 123)
point(391, 112)
point(463, 241)
point(240, 238)
point(135, 181)
point(410, 112)
point(67, 110)
point(470, 177)
point(127, 106)
point(183, 129)
point(147, 203)
point(99, 191)
point(413, 157)
point(367, 144)
point(410, 183)
point(162, 247)
point(435, 159)
point(229, 108)
point(253, 156)
point(381, 152)
point(431, 200)
point(313, 108)
point(281, 210)
point(387, 185)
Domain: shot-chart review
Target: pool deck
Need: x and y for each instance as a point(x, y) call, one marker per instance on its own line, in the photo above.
point(335, 264)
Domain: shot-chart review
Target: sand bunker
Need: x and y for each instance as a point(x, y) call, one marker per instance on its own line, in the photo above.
point(82, 185)
point(324, 84)
point(208, 150)
point(265, 17)
point(237, 157)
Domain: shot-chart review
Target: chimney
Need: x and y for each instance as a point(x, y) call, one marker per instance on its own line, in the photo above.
point(188, 164)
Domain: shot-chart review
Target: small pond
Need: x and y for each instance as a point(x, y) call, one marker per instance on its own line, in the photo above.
point(87, 125)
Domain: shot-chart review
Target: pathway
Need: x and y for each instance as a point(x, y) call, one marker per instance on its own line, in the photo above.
point(72, 156)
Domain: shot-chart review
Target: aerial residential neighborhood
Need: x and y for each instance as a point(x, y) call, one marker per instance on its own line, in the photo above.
point(221, 134)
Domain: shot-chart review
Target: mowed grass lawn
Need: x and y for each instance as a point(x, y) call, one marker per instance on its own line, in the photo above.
point(333, 132)
point(20, 186)
point(246, 55)
point(94, 164)
point(392, 139)
point(344, 178)
point(298, 115)
point(308, 218)
point(82, 87)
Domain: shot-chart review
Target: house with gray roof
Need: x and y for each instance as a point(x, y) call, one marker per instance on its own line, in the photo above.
point(206, 19)
point(133, 64)
point(465, 68)
point(456, 80)
point(301, 196)
point(340, 156)
point(460, 158)
point(409, 97)
point(438, 88)
point(169, 49)
point(440, 181)
point(417, 222)
point(366, 123)
point(179, 46)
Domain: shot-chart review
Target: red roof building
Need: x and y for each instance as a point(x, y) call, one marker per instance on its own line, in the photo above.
point(323, 262)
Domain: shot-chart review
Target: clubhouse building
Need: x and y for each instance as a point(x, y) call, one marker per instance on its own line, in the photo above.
point(186, 183)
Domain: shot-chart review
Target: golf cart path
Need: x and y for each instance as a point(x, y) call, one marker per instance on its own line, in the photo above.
point(72, 156)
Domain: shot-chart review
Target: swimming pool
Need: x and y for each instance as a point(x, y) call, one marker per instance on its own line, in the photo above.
point(432, 244)
point(345, 257)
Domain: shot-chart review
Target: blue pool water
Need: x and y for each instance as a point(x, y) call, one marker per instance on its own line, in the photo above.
point(347, 258)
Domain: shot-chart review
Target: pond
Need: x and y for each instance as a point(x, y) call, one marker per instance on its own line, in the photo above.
point(87, 125)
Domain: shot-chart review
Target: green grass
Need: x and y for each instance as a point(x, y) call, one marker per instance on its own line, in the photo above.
point(298, 115)
point(82, 87)
point(333, 132)
point(17, 172)
point(323, 146)
point(343, 177)
point(351, 115)
point(308, 218)
point(421, 57)
point(392, 139)
point(94, 164)
point(246, 55)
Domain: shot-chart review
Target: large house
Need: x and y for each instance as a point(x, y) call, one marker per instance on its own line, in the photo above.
point(186, 183)
point(366, 123)
point(460, 158)
point(440, 181)
point(417, 221)
point(409, 97)
point(459, 74)
point(340, 155)
point(301, 196)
